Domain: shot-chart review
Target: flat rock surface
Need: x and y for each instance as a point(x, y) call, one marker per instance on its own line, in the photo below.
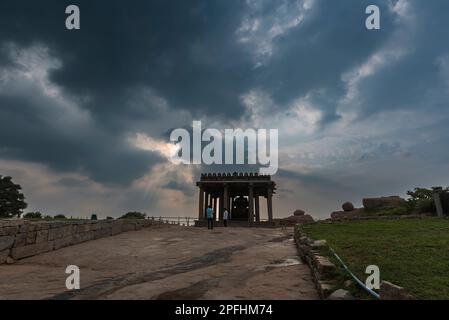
point(168, 262)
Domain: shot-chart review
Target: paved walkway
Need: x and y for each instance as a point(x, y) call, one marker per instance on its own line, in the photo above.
point(168, 262)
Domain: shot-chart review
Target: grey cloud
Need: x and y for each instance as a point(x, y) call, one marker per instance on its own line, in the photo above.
point(178, 185)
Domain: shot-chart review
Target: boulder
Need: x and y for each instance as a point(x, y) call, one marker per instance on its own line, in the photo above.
point(299, 213)
point(347, 207)
point(292, 220)
point(383, 203)
point(340, 294)
point(319, 244)
point(337, 215)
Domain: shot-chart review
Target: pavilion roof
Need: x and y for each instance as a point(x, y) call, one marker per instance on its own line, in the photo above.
point(242, 176)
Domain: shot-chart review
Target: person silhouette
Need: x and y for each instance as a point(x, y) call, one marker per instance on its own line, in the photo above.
point(210, 217)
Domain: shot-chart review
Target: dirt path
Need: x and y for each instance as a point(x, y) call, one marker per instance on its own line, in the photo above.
point(168, 262)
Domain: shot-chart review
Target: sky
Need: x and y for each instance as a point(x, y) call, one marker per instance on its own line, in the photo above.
point(86, 115)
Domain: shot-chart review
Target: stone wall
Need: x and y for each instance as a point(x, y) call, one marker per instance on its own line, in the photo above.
point(358, 216)
point(21, 239)
point(324, 272)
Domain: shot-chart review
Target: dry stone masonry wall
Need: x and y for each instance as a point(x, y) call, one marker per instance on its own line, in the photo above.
point(21, 239)
point(324, 272)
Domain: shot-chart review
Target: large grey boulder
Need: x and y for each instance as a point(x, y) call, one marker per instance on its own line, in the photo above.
point(383, 203)
point(337, 215)
point(347, 207)
point(292, 220)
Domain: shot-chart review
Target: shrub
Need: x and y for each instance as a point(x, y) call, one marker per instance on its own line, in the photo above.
point(400, 211)
point(426, 206)
point(133, 215)
point(33, 215)
point(60, 217)
point(421, 200)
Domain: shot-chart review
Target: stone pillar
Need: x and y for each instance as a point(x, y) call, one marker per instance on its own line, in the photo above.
point(438, 206)
point(206, 203)
point(257, 207)
point(225, 199)
point(270, 204)
point(201, 205)
point(220, 216)
point(231, 206)
point(251, 204)
point(214, 206)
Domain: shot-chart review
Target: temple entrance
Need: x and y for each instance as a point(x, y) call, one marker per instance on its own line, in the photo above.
point(240, 209)
point(238, 193)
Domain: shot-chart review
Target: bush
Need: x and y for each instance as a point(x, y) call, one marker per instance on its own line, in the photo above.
point(400, 211)
point(133, 215)
point(421, 200)
point(60, 217)
point(426, 206)
point(33, 215)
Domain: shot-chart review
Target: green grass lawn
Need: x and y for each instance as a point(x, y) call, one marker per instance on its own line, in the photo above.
point(413, 254)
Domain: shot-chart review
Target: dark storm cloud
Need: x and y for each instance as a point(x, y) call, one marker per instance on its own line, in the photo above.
point(74, 183)
point(331, 40)
point(311, 180)
point(415, 81)
point(183, 49)
point(28, 133)
point(177, 185)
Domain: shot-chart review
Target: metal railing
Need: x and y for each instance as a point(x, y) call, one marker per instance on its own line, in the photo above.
point(180, 221)
point(190, 221)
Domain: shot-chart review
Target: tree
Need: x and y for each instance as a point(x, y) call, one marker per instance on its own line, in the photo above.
point(421, 199)
point(33, 215)
point(133, 215)
point(12, 200)
point(60, 217)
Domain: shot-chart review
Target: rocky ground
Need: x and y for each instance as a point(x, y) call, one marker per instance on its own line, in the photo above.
point(168, 262)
